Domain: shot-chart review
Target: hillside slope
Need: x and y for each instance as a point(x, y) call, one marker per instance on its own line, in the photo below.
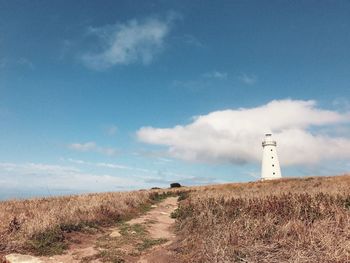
point(288, 220)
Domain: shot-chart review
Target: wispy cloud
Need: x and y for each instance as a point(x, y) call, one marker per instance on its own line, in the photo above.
point(206, 80)
point(192, 40)
point(216, 74)
point(66, 48)
point(125, 43)
point(341, 103)
point(111, 166)
point(25, 62)
point(111, 130)
point(248, 79)
point(235, 135)
point(34, 179)
point(92, 147)
point(83, 147)
point(150, 176)
point(22, 62)
point(26, 176)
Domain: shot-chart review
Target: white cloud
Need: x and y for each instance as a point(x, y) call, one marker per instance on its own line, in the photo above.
point(83, 147)
point(92, 147)
point(111, 166)
point(146, 175)
point(127, 43)
point(42, 176)
point(235, 135)
point(31, 168)
point(40, 179)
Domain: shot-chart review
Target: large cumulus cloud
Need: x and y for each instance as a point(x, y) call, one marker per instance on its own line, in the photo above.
point(235, 135)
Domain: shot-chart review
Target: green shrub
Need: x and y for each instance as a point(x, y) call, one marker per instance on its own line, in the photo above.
point(50, 242)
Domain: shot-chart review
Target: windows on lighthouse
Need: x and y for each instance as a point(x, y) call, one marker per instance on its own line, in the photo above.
point(270, 165)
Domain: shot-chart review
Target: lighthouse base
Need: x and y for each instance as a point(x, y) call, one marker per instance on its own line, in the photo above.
point(270, 178)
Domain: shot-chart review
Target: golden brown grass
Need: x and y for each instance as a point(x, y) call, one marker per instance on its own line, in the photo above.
point(39, 224)
point(289, 220)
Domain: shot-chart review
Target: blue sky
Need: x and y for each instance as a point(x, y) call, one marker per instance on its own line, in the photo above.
point(118, 95)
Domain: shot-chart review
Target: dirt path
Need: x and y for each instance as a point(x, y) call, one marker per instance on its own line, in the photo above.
point(145, 239)
point(161, 228)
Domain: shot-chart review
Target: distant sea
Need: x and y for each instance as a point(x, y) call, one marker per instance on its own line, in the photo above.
point(9, 194)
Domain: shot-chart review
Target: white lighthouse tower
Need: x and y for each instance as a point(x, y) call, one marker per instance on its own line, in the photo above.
point(270, 168)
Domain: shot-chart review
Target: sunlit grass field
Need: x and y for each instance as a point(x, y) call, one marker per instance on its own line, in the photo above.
point(287, 220)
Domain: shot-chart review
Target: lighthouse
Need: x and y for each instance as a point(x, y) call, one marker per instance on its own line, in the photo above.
point(270, 168)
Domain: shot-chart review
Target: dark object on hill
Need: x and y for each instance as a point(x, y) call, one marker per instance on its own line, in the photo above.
point(175, 185)
point(155, 188)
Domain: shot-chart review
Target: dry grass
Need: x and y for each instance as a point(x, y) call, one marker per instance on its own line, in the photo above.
point(290, 220)
point(38, 225)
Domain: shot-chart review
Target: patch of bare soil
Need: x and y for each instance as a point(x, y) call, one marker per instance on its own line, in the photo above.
point(140, 240)
point(161, 228)
point(143, 239)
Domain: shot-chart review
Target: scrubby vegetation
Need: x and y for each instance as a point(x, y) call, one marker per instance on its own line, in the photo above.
point(305, 220)
point(287, 220)
point(39, 225)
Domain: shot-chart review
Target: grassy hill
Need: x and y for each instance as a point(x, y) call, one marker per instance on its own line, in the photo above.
point(39, 225)
point(287, 220)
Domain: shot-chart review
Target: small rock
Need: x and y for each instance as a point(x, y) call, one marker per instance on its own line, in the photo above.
point(163, 213)
point(18, 258)
point(154, 206)
point(115, 233)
